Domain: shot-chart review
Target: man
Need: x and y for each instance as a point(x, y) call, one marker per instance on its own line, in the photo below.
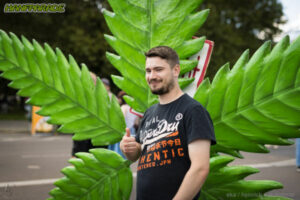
point(174, 137)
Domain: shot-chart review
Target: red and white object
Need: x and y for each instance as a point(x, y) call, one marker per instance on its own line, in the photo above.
point(203, 57)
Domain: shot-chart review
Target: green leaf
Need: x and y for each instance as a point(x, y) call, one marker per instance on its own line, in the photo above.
point(64, 92)
point(29, 53)
point(100, 174)
point(187, 65)
point(5, 65)
point(183, 82)
point(257, 102)
point(227, 182)
point(138, 26)
point(7, 48)
point(18, 47)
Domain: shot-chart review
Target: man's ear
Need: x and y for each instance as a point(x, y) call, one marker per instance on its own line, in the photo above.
point(176, 70)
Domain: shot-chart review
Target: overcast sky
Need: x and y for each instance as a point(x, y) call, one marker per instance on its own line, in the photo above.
point(291, 9)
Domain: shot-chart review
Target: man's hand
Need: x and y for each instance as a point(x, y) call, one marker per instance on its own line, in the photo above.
point(130, 148)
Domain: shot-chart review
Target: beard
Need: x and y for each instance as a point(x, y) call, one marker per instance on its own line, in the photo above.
point(164, 89)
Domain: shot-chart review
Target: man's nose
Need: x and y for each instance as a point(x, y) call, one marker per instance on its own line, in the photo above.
point(152, 75)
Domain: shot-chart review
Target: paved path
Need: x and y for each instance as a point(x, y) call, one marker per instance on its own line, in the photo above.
point(15, 126)
point(30, 164)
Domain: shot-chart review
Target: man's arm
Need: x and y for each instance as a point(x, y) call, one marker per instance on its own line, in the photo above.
point(130, 148)
point(196, 175)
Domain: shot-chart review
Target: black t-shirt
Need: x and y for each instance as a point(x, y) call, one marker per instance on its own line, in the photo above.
point(164, 133)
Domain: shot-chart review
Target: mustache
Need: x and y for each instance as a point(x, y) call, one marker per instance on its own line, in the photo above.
point(155, 80)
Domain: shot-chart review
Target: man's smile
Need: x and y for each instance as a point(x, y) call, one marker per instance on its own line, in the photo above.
point(154, 82)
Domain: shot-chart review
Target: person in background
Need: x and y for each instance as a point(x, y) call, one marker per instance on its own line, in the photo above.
point(86, 145)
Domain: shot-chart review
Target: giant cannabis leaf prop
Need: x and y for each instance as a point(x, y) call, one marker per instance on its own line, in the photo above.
point(258, 101)
point(68, 95)
point(224, 182)
point(140, 25)
point(99, 175)
point(255, 103)
point(64, 92)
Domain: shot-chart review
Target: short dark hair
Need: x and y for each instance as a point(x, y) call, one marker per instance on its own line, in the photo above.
point(164, 52)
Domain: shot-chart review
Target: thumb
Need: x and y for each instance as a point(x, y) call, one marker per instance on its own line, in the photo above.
point(127, 132)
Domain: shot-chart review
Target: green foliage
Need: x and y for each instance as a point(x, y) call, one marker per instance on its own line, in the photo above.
point(138, 26)
point(226, 182)
point(258, 101)
point(100, 174)
point(63, 91)
point(255, 103)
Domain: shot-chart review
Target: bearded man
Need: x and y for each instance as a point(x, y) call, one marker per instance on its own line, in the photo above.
point(174, 137)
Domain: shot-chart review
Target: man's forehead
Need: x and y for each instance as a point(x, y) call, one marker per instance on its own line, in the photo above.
point(156, 62)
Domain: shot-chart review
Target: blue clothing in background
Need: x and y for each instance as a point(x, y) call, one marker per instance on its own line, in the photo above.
point(298, 152)
point(116, 147)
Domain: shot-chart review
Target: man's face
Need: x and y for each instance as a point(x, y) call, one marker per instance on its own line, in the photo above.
point(159, 75)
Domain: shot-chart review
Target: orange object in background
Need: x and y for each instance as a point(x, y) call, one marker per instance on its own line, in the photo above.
point(38, 123)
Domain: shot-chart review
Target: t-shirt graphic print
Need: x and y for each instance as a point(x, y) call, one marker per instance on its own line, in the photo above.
point(162, 143)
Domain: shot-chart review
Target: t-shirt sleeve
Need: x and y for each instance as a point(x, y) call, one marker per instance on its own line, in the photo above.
point(198, 125)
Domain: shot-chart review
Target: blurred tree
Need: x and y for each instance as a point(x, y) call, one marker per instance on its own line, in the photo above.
point(79, 32)
point(237, 25)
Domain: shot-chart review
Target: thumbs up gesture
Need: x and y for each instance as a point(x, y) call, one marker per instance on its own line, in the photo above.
point(128, 143)
point(130, 148)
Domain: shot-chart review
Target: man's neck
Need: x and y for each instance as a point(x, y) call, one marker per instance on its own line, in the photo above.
point(174, 94)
